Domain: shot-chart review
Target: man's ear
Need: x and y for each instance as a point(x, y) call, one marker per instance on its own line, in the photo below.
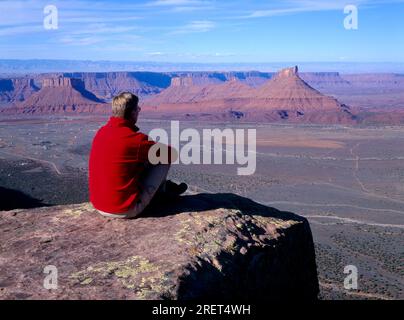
point(128, 113)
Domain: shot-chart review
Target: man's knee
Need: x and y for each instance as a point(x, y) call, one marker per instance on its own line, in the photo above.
point(159, 170)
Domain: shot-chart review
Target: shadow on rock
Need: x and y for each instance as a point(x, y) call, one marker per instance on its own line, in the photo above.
point(211, 201)
point(279, 267)
point(14, 199)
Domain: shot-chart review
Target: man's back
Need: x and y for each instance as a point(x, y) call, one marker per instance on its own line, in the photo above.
point(118, 158)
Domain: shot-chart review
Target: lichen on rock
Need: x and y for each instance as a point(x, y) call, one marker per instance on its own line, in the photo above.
point(200, 246)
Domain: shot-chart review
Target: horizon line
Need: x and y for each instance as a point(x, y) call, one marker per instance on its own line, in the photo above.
point(192, 62)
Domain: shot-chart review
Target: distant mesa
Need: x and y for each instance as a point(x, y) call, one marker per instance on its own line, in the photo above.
point(16, 90)
point(185, 94)
point(326, 80)
point(181, 82)
point(285, 97)
point(61, 82)
point(60, 95)
point(105, 85)
point(207, 96)
point(287, 91)
point(288, 72)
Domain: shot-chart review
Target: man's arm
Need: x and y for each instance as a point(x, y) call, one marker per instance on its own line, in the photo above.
point(160, 153)
point(156, 152)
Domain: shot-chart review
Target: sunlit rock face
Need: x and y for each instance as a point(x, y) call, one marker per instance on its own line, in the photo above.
point(216, 246)
point(286, 97)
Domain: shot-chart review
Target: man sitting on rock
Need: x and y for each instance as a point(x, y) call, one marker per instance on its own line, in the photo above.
point(122, 181)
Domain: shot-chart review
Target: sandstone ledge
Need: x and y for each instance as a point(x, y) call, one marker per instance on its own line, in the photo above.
point(203, 246)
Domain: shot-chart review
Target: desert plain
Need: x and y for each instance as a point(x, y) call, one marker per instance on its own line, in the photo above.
point(348, 181)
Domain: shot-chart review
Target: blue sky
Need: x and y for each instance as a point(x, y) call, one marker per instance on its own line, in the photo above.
point(204, 31)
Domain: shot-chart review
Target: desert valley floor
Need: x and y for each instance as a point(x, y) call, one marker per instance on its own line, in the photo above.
point(347, 181)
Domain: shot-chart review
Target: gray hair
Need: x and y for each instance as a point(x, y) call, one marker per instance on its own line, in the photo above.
point(123, 105)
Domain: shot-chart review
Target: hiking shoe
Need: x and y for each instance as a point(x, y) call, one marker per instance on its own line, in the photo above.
point(173, 189)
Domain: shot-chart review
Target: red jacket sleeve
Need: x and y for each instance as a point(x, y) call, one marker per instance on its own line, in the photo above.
point(145, 146)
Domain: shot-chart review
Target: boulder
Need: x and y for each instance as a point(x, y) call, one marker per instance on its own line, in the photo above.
point(198, 247)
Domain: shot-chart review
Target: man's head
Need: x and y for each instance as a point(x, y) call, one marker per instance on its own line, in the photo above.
point(125, 106)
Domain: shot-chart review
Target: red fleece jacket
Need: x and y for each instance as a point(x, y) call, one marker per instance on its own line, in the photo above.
point(118, 160)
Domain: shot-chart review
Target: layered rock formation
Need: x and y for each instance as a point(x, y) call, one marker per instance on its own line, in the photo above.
point(251, 78)
point(285, 97)
point(376, 80)
point(206, 95)
point(286, 90)
point(325, 80)
point(184, 92)
point(106, 85)
point(288, 97)
point(202, 246)
point(60, 95)
point(16, 90)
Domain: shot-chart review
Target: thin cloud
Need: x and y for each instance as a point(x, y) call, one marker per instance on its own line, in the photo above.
point(81, 41)
point(88, 40)
point(97, 19)
point(301, 6)
point(181, 6)
point(17, 30)
point(184, 9)
point(195, 27)
point(176, 3)
point(102, 28)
